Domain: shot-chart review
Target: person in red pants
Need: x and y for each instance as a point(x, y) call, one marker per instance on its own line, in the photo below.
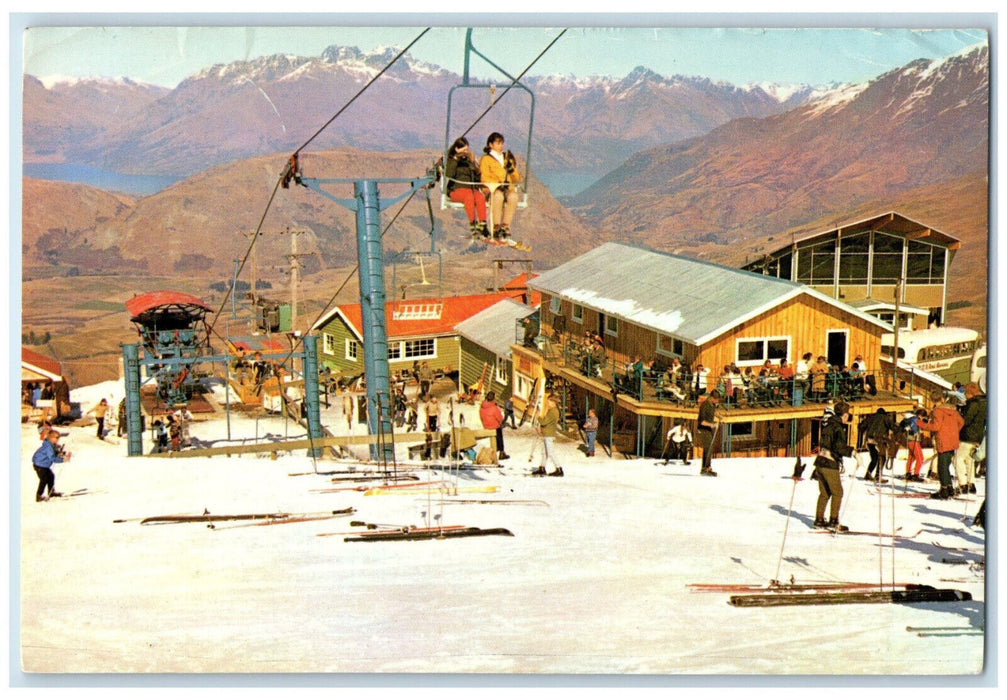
point(462, 174)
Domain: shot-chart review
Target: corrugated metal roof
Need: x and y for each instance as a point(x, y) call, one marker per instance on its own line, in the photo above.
point(494, 328)
point(690, 299)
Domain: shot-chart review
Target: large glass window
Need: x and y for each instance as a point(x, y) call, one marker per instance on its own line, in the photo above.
point(673, 347)
point(816, 263)
point(853, 255)
point(328, 344)
point(887, 260)
point(925, 263)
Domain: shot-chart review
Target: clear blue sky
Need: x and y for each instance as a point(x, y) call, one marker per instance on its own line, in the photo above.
point(165, 55)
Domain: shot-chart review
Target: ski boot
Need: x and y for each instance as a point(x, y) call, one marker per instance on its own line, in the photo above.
point(820, 523)
point(834, 525)
point(707, 472)
point(557, 472)
point(539, 472)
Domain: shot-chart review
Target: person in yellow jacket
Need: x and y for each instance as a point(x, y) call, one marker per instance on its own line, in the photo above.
point(498, 168)
point(547, 422)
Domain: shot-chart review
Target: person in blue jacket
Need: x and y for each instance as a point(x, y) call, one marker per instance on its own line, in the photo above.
point(45, 456)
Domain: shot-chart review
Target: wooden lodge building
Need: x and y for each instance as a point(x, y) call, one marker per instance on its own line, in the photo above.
point(663, 306)
point(860, 263)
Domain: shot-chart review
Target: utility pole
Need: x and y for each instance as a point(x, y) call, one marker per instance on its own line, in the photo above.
point(295, 266)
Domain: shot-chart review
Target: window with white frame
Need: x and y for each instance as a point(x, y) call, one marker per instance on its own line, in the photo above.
point(351, 349)
point(578, 313)
point(611, 326)
point(500, 373)
point(395, 351)
point(522, 386)
point(755, 351)
point(328, 344)
point(667, 345)
point(421, 348)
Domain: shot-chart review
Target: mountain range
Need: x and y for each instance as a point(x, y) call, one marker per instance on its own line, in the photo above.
point(588, 124)
point(701, 168)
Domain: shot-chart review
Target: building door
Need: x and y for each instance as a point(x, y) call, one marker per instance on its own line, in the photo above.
point(835, 347)
point(601, 324)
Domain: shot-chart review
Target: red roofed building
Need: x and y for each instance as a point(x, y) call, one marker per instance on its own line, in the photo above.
point(419, 330)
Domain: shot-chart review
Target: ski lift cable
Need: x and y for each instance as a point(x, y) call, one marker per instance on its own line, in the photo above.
point(513, 82)
point(361, 91)
point(286, 173)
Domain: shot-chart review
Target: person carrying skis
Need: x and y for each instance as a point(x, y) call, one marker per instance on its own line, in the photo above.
point(590, 431)
point(47, 454)
point(707, 427)
point(547, 422)
point(833, 446)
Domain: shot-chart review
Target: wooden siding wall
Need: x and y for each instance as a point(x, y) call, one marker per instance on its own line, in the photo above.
point(446, 360)
point(473, 357)
point(805, 320)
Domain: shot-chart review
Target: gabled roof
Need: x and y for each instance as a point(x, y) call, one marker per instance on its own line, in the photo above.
point(689, 299)
point(411, 318)
point(40, 365)
point(890, 222)
point(496, 328)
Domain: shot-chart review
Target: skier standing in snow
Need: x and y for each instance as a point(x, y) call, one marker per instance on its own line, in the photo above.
point(45, 456)
point(829, 465)
point(945, 423)
point(970, 436)
point(548, 420)
point(590, 431)
point(914, 460)
point(707, 427)
point(99, 412)
point(877, 428)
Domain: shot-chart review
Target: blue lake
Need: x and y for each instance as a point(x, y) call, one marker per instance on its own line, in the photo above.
point(95, 177)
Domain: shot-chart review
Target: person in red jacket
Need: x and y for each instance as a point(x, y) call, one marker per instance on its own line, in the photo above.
point(492, 419)
point(944, 424)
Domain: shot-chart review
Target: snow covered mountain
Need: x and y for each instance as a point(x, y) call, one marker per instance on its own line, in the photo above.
point(275, 103)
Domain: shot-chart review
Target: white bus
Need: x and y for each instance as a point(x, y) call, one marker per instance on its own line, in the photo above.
point(947, 352)
point(979, 368)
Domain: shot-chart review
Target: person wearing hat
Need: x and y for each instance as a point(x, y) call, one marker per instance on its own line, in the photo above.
point(970, 436)
point(833, 446)
point(944, 424)
point(707, 426)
